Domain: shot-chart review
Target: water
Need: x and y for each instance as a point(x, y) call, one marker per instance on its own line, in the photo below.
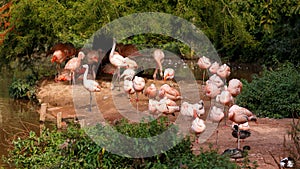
point(16, 117)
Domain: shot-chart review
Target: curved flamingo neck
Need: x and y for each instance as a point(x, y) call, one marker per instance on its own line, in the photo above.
point(113, 48)
point(85, 75)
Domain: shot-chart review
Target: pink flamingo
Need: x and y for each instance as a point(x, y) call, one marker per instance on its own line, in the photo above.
point(73, 64)
point(169, 92)
point(212, 90)
point(216, 115)
point(128, 74)
point(167, 106)
point(169, 73)
point(235, 87)
point(93, 57)
point(151, 91)
point(192, 110)
point(214, 68)
point(198, 126)
point(223, 71)
point(204, 63)
point(90, 85)
point(240, 115)
point(138, 85)
point(216, 80)
point(128, 87)
point(158, 56)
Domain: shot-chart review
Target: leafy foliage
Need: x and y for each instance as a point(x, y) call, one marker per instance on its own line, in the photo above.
point(75, 149)
point(23, 88)
point(274, 94)
point(239, 30)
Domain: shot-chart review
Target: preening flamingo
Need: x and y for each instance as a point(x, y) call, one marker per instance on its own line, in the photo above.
point(192, 110)
point(169, 73)
point(73, 64)
point(128, 74)
point(138, 85)
point(158, 56)
point(117, 60)
point(240, 115)
point(165, 106)
point(90, 85)
point(169, 92)
point(151, 91)
point(60, 52)
point(204, 63)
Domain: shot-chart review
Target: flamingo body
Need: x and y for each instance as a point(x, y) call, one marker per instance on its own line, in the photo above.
point(214, 68)
point(151, 91)
point(204, 63)
point(235, 87)
point(169, 92)
point(223, 71)
point(198, 125)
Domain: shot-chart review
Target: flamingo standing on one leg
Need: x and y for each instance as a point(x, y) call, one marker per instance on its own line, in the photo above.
point(158, 56)
point(138, 85)
point(90, 85)
point(240, 115)
point(73, 64)
point(216, 115)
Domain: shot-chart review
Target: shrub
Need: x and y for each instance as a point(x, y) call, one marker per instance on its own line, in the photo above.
point(23, 88)
point(73, 148)
point(275, 94)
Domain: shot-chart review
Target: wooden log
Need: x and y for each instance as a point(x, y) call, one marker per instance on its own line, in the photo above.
point(59, 120)
point(43, 112)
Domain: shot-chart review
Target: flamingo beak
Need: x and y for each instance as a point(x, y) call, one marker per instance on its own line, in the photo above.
point(54, 58)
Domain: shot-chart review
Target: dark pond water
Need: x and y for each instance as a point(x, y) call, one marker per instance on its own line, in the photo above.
point(16, 117)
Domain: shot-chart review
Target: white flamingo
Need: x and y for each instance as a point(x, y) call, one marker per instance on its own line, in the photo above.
point(90, 85)
point(158, 56)
point(117, 60)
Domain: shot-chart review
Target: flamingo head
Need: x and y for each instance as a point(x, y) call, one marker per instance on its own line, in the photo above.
point(54, 58)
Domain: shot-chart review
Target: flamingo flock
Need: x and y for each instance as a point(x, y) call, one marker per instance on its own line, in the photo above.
point(165, 99)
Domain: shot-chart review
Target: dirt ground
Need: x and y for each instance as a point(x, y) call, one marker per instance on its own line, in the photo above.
point(268, 136)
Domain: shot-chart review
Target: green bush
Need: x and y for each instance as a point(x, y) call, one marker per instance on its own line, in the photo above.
point(23, 88)
point(73, 148)
point(275, 94)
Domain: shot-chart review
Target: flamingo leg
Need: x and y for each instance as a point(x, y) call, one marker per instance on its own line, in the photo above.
point(238, 134)
point(217, 133)
point(90, 108)
point(137, 102)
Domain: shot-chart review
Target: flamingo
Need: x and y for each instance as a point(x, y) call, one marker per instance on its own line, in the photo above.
point(60, 52)
point(204, 63)
point(235, 87)
point(169, 73)
point(158, 56)
point(93, 59)
point(117, 60)
point(169, 92)
point(90, 85)
point(240, 115)
point(73, 64)
point(223, 71)
point(165, 106)
point(226, 99)
point(198, 126)
point(138, 85)
point(216, 115)
point(151, 91)
point(214, 68)
point(128, 87)
point(216, 80)
point(212, 90)
point(193, 110)
point(128, 74)
point(236, 130)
